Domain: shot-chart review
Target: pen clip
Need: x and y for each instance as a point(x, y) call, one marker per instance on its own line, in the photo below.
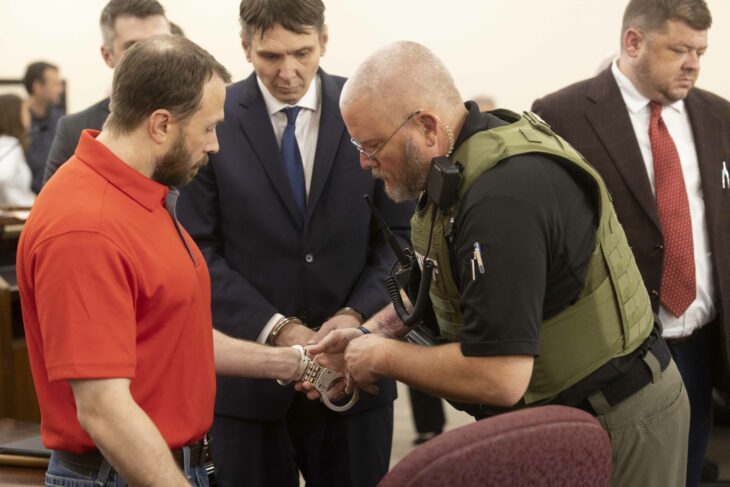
point(478, 257)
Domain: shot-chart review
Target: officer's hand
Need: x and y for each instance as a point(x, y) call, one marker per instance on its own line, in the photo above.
point(335, 393)
point(329, 352)
point(334, 343)
point(362, 358)
point(335, 323)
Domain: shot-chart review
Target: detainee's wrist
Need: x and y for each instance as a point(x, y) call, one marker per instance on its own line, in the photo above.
point(351, 312)
point(299, 362)
point(277, 330)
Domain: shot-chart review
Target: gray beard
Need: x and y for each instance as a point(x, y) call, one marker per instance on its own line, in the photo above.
point(411, 179)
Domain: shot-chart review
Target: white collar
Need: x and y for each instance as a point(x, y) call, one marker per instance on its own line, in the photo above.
point(310, 100)
point(634, 100)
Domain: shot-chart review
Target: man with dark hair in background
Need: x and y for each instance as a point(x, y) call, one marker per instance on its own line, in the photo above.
point(122, 22)
point(120, 337)
point(43, 84)
point(662, 147)
point(280, 218)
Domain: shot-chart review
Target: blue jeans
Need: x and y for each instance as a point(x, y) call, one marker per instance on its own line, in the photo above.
point(58, 476)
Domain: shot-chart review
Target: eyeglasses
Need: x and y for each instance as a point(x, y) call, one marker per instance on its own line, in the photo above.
point(371, 155)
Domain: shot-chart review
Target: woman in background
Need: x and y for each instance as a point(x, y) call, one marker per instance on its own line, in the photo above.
point(15, 175)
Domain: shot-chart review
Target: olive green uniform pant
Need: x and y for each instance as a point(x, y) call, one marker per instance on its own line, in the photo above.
point(649, 431)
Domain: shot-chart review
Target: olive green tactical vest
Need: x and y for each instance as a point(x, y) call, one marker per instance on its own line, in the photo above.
point(612, 315)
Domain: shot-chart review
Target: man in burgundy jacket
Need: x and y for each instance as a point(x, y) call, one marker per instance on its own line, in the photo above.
point(614, 120)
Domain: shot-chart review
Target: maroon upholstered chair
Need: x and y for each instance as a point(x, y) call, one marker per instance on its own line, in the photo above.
point(541, 446)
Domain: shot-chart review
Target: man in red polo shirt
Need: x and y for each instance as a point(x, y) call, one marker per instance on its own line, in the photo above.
point(116, 295)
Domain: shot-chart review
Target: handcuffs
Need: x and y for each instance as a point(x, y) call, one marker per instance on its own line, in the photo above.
point(321, 378)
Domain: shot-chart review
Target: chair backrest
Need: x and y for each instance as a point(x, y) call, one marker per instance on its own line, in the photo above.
point(540, 446)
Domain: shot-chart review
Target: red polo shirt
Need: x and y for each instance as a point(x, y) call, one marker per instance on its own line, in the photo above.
point(109, 290)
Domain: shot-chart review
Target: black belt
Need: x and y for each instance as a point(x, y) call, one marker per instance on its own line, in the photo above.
point(87, 464)
point(697, 332)
point(634, 379)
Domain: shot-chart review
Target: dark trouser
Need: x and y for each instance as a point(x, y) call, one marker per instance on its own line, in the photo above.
point(428, 411)
point(694, 358)
point(330, 449)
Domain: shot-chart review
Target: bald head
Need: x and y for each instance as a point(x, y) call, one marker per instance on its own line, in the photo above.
point(402, 109)
point(400, 78)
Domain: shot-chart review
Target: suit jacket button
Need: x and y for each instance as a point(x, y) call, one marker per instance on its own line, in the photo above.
point(659, 247)
point(655, 293)
point(309, 258)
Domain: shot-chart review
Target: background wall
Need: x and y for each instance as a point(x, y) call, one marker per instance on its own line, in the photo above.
point(515, 50)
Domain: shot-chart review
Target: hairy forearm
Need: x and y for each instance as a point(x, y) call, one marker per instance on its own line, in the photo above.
point(249, 359)
point(124, 434)
point(444, 371)
point(386, 323)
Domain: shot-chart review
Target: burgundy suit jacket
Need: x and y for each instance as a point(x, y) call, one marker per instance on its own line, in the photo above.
point(593, 117)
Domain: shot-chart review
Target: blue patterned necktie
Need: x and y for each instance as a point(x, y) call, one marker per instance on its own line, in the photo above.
point(293, 159)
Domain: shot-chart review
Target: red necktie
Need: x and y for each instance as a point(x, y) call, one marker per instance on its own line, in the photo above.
point(678, 276)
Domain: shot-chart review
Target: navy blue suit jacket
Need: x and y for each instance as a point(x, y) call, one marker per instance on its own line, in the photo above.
point(263, 259)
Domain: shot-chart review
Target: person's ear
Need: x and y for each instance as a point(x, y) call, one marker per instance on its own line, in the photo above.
point(246, 44)
point(428, 123)
point(107, 55)
point(159, 125)
point(633, 41)
point(36, 86)
point(323, 39)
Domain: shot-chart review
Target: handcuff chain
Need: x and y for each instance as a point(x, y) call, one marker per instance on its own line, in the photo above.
point(312, 372)
point(321, 378)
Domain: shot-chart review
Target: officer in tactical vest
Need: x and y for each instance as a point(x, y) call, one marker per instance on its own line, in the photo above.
point(535, 293)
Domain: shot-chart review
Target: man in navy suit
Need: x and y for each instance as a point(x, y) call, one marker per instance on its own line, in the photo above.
point(291, 246)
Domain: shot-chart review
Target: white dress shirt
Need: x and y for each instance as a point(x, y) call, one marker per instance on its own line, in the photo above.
point(15, 175)
point(702, 310)
point(307, 132)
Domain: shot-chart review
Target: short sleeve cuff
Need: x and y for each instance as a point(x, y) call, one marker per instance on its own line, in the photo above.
point(90, 371)
point(491, 349)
